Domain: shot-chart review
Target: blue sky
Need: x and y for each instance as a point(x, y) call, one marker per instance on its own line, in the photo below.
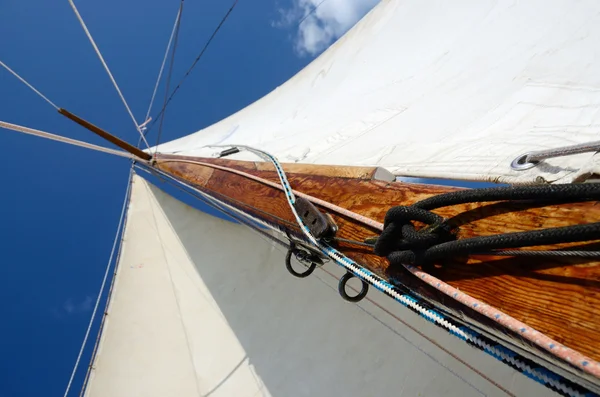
point(60, 205)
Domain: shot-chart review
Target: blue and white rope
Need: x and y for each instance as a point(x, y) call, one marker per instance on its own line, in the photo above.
point(500, 352)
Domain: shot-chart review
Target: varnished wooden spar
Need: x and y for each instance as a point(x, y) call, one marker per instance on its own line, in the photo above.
point(109, 137)
point(558, 297)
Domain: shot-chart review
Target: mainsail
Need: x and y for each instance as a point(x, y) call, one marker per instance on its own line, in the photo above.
point(471, 91)
point(202, 306)
point(442, 90)
point(436, 89)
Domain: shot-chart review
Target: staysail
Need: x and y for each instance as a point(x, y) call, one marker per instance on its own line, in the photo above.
point(202, 306)
point(436, 89)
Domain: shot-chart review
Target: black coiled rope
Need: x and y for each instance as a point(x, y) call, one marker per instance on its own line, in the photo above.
point(401, 243)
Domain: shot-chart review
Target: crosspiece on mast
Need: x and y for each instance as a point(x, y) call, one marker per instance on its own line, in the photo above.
point(111, 138)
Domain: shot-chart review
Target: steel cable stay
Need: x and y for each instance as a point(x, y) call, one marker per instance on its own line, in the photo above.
point(187, 73)
point(168, 84)
point(5, 66)
point(110, 75)
point(160, 72)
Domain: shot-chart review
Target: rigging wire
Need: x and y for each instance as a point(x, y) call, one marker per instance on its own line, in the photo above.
point(162, 116)
point(89, 35)
point(75, 142)
point(379, 226)
point(106, 304)
point(311, 12)
point(404, 296)
point(544, 253)
point(193, 64)
point(342, 211)
point(162, 67)
point(106, 272)
point(5, 66)
point(215, 205)
point(533, 253)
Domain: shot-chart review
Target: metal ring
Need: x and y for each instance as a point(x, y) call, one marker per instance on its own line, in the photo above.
point(342, 288)
point(521, 163)
point(288, 264)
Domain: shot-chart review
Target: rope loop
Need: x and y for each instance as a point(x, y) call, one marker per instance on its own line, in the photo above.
point(307, 259)
point(401, 242)
point(342, 288)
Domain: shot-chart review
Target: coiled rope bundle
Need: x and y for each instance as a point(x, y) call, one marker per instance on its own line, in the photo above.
point(401, 243)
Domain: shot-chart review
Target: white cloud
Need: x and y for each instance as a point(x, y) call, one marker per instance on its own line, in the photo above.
point(81, 307)
point(318, 23)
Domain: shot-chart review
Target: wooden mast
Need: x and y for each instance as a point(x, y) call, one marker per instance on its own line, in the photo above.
point(559, 297)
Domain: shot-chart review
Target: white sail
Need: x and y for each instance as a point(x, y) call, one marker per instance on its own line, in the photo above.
point(204, 307)
point(437, 89)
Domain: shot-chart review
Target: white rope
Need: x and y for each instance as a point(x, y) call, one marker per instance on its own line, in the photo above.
point(63, 139)
point(162, 67)
point(5, 66)
point(114, 246)
point(89, 35)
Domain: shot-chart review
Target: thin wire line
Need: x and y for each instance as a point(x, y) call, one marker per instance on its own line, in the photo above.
point(311, 12)
point(342, 211)
point(556, 253)
point(274, 239)
point(108, 301)
point(162, 117)
point(53, 137)
point(89, 35)
point(112, 252)
point(193, 64)
point(162, 67)
point(5, 66)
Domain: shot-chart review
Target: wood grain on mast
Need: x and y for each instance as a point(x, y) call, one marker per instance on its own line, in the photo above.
point(559, 297)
